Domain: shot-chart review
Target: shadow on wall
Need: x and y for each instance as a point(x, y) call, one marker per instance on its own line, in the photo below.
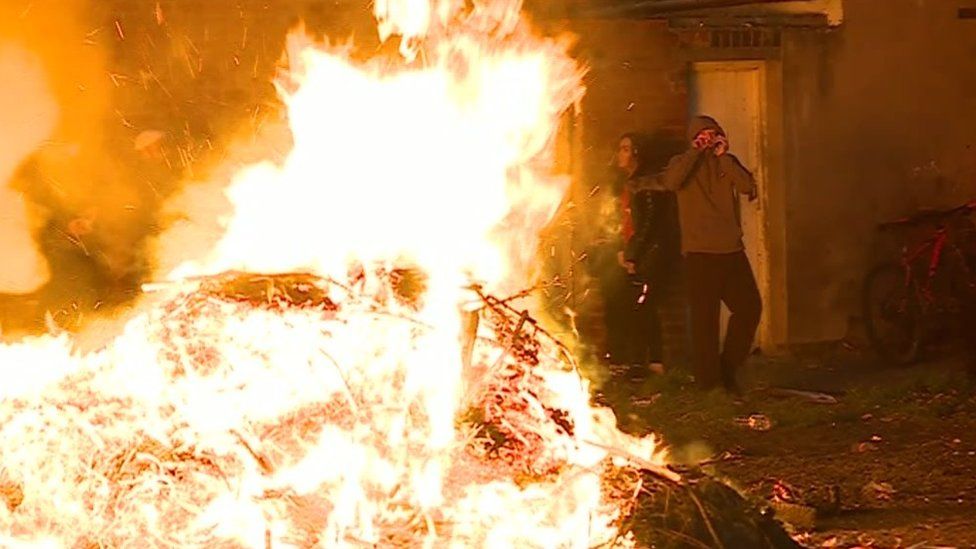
point(863, 150)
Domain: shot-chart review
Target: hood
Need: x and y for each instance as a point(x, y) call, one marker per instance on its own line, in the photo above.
point(699, 123)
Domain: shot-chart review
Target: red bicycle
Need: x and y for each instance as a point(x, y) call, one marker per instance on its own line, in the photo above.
point(907, 301)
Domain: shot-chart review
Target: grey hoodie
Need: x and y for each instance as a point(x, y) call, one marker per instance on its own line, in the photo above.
point(707, 187)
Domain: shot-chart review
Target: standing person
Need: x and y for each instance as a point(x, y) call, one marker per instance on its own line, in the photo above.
point(708, 182)
point(607, 262)
point(650, 254)
point(638, 251)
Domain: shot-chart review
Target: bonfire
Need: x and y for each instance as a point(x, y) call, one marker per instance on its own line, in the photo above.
point(336, 444)
point(377, 387)
point(269, 414)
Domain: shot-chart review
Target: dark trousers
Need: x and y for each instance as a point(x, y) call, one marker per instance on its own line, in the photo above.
point(632, 323)
point(713, 279)
point(651, 345)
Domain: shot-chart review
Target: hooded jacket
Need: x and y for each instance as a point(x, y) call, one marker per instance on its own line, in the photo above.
point(708, 189)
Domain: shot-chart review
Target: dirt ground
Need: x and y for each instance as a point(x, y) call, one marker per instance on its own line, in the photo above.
point(892, 463)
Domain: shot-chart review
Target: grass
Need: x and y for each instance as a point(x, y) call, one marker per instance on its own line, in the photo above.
point(889, 425)
point(685, 415)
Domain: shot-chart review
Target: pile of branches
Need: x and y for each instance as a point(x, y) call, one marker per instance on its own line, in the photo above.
point(134, 467)
point(660, 509)
point(698, 512)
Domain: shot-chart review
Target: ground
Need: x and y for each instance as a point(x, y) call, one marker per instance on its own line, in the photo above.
point(891, 464)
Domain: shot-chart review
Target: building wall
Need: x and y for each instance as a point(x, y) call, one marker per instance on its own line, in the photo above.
point(635, 82)
point(832, 9)
point(878, 122)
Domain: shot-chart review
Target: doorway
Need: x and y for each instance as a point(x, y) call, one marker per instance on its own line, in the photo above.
point(733, 92)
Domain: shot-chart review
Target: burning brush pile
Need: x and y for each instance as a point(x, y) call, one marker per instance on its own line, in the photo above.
point(388, 399)
point(267, 411)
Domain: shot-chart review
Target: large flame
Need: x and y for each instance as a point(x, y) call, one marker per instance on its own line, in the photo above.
point(211, 421)
point(446, 166)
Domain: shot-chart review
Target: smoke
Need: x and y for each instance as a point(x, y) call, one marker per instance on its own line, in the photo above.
point(28, 116)
point(68, 213)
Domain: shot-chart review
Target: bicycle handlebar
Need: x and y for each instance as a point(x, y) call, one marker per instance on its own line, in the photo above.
point(930, 216)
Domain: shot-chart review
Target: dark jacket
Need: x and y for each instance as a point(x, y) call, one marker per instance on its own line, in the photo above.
point(655, 245)
point(707, 187)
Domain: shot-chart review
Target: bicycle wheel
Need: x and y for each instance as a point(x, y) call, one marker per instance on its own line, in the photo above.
point(892, 314)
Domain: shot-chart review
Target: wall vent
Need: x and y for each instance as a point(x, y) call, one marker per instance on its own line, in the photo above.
point(744, 38)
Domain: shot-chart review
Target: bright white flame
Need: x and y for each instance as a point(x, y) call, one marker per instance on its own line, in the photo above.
point(444, 167)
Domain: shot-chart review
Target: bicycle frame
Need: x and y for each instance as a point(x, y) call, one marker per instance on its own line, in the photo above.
point(934, 248)
point(908, 302)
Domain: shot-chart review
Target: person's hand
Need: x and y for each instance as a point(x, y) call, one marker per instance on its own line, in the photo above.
point(628, 266)
point(720, 144)
point(702, 141)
